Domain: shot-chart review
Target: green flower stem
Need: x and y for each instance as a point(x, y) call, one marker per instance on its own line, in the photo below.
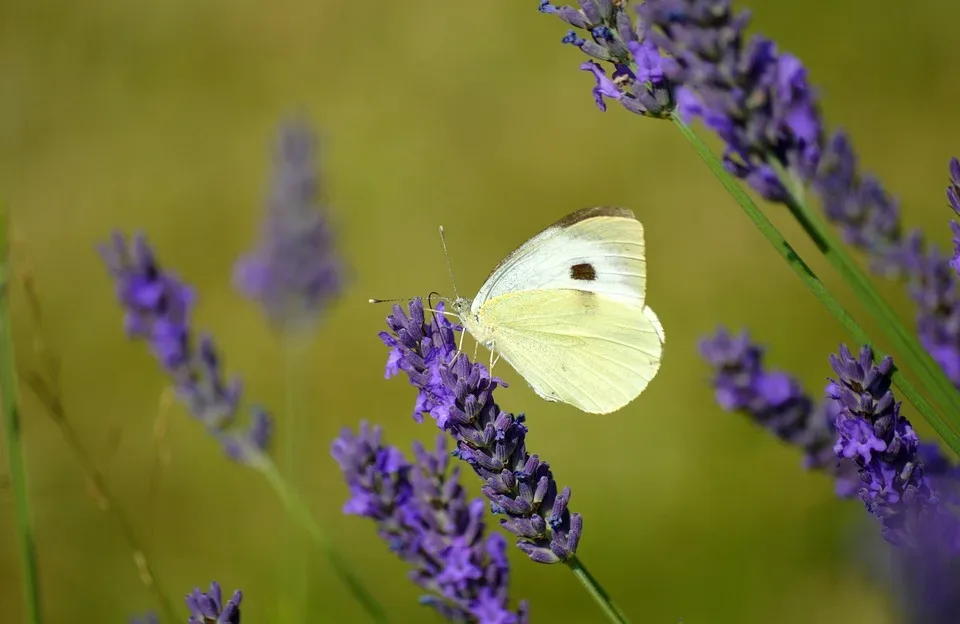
point(297, 509)
point(10, 397)
point(941, 388)
point(812, 282)
point(610, 609)
point(295, 572)
point(93, 475)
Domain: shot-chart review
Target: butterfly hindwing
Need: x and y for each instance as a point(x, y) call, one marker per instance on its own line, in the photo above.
point(592, 351)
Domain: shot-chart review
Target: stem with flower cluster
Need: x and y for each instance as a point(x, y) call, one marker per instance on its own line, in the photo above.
point(942, 426)
point(10, 395)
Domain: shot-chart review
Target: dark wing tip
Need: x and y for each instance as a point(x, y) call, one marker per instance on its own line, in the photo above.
point(595, 211)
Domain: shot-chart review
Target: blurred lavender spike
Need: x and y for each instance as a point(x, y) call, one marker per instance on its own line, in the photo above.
point(208, 608)
point(147, 618)
point(637, 80)
point(459, 395)
point(883, 444)
point(776, 402)
point(423, 514)
point(157, 310)
point(293, 273)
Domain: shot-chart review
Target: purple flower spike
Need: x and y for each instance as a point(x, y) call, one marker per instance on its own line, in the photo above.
point(208, 608)
point(756, 99)
point(605, 32)
point(158, 307)
point(775, 401)
point(293, 273)
point(459, 395)
point(147, 618)
point(423, 514)
point(885, 448)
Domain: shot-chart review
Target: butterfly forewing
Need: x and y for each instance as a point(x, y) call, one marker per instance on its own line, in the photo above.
point(598, 250)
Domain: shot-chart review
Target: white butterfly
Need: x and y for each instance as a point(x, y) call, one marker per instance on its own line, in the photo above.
point(566, 309)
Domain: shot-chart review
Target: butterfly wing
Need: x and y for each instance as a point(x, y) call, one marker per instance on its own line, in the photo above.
point(598, 250)
point(590, 350)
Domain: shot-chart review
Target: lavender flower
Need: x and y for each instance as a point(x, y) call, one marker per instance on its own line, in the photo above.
point(953, 197)
point(157, 310)
point(884, 446)
point(147, 618)
point(637, 81)
point(208, 608)
point(293, 273)
point(423, 513)
point(459, 395)
point(775, 401)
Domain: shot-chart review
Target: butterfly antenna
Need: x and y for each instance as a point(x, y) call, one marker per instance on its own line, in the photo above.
point(386, 300)
point(446, 257)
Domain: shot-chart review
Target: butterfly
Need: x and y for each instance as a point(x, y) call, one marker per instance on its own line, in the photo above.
point(567, 310)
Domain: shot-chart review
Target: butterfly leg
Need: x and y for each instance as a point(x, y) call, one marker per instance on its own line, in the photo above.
point(460, 345)
point(493, 360)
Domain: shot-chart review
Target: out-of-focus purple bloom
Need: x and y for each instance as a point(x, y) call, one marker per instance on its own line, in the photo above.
point(157, 310)
point(147, 618)
point(884, 446)
point(208, 608)
point(953, 198)
point(293, 273)
point(424, 515)
point(775, 401)
point(459, 395)
point(933, 285)
point(868, 217)
point(756, 99)
point(607, 33)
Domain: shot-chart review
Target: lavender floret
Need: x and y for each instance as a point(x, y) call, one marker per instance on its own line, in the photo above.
point(208, 608)
point(423, 513)
point(459, 395)
point(293, 273)
point(157, 310)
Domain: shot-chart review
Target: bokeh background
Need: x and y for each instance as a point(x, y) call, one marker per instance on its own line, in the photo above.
point(162, 116)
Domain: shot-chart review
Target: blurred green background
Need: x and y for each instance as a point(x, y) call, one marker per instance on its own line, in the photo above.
point(161, 116)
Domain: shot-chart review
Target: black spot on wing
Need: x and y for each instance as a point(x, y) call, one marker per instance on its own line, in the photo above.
point(583, 272)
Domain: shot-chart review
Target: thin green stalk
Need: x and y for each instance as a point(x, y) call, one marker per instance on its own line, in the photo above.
point(93, 475)
point(10, 396)
point(905, 342)
point(297, 509)
point(609, 607)
point(293, 595)
point(812, 282)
